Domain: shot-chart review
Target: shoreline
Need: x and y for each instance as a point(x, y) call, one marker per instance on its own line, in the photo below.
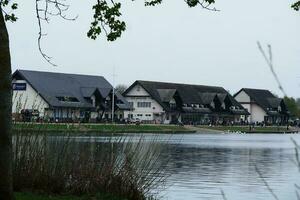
point(94, 129)
point(245, 129)
point(100, 128)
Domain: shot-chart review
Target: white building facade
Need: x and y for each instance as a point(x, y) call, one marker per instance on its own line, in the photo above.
point(64, 97)
point(263, 106)
point(173, 103)
point(145, 108)
point(257, 114)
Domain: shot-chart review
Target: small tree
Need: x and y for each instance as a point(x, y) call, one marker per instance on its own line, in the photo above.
point(121, 88)
point(292, 106)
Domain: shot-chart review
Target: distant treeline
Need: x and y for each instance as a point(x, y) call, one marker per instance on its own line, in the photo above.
point(293, 106)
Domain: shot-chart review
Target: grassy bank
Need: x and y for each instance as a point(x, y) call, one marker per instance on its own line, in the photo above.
point(246, 129)
point(31, 196)
point(100, 128)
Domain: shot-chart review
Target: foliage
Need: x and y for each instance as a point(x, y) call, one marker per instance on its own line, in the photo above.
point(298, 102)
point(292, 106)
point(107, 17)
point(8, 16)
point(296, 6)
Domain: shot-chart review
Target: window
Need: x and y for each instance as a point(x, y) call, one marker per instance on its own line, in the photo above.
point(148, 115)
point(139, 115)
point(144, 104)
point(279, 108)
point(68, 99)
point(130, 116)
point(131, 104)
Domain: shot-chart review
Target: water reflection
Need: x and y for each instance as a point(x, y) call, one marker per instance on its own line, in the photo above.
point(202, 164)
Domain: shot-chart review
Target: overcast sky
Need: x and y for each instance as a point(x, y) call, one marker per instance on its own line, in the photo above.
point(171, 42)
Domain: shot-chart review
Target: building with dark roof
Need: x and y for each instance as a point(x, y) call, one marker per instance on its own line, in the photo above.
point(263, 106)
point(65, 97)
point(162, 102)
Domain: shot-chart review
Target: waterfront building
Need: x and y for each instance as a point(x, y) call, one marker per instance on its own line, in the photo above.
point(65, 97)
point(263, 106)
point(161, 102)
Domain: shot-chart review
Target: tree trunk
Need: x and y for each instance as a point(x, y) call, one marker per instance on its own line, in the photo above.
point(6, 188)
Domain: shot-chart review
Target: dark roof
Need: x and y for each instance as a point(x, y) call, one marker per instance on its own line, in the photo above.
point(51, 85)
point(189, 94)
point(196, 110)
point(264, 98)
point(207, 97)
point(166, 94)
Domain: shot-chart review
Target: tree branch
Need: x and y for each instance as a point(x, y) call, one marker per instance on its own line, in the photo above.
point(269, 61)
point(45, 9)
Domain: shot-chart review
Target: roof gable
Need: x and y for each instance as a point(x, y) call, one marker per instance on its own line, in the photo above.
point(52, 85)
point(161, 92)
point(264, 98)
point(166, 94)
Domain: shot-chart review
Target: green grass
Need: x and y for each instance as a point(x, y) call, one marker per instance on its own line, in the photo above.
point(31, 196)
point(267, 129)
point(100, 128)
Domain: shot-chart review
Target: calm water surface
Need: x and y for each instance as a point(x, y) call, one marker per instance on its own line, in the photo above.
point(203, 164)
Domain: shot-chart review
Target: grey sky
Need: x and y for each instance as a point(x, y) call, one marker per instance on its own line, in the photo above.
point(171, 42)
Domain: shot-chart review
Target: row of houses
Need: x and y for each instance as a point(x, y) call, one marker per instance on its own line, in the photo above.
point(71, 97)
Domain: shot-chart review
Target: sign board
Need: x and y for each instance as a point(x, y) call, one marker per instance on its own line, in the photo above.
point(19, 86)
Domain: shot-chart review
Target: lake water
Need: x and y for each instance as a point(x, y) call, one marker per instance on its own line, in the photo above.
point(202, 164)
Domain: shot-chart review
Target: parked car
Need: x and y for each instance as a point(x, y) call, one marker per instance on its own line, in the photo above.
point(133, 121)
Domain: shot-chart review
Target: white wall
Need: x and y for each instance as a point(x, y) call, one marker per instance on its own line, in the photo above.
point(257, 114)
point(138, 94)
point(137, 91)
point(27, 99)
point(242, 97)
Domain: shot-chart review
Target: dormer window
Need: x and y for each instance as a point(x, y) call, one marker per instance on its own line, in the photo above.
point(279, 108)
point(67, 99)
point(223, 105)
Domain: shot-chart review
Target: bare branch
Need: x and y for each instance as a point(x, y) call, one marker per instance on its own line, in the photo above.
point(45, 9)
point(269, 61)
point(297, 147)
